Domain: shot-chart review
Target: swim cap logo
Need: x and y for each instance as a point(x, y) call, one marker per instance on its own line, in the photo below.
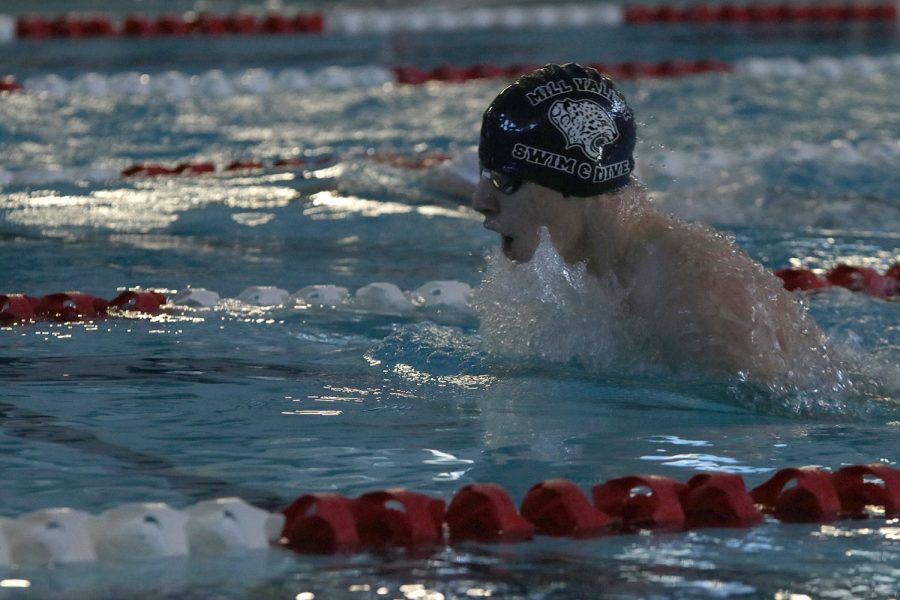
point(585, 124)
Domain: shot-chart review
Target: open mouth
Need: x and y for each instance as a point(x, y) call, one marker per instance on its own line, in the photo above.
point(506, 245)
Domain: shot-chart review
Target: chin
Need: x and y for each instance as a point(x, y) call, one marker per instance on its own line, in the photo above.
point(519, 256)
point(515, 249)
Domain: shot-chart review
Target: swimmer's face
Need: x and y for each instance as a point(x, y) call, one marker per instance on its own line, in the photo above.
point(518, 214)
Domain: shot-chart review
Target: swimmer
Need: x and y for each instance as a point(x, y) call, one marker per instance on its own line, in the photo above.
point(556, 157)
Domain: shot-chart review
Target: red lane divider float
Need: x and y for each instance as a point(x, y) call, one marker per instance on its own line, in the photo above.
point(8, 83)
point(557, 507)
point(718, 500)
point(759, 13)
point(421, 161)
point(813, 498)
point(659, 509)
point(167, 25)
point(74, 306)
point(399, 517)
point(856, 279)
point(204, 168)
point(484, 512)
point(626, 70)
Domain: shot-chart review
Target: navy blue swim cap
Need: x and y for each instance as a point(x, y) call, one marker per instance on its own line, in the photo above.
point(565, 127)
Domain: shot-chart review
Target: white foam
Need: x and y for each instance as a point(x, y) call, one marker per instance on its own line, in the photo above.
point(547, 310)
point(140, 531)
point(55, 535)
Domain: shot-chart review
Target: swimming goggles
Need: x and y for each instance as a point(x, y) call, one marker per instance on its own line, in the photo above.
point(503, 182)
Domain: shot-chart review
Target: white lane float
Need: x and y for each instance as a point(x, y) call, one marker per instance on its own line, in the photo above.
point(265, 295)
point(137, 531)
point(94, 85)
point(50, 85)
point(382, 298)
point(454, 295)
point(50, 536)
point(321, 296)
point(130, 83)
point(230, 526)
point(196, 298)
point(7, 28)
point(140, 531)
point(257, 82)
point(214, 84)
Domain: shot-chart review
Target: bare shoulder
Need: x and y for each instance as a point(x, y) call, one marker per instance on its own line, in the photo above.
point(701, 254)
point(719, 302)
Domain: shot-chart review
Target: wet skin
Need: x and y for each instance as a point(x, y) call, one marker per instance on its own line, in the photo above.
point(518, 217)
point(707, 300)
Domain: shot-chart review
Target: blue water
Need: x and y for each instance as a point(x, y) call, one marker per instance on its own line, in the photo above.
point(271, 403)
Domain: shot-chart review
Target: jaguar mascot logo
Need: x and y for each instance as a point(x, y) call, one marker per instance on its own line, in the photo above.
point(585, 124)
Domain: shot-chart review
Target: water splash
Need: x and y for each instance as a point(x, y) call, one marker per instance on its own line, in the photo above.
point(546, 310)
point(549, 311)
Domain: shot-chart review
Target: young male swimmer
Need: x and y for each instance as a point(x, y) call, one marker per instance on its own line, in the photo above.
point(556, 157)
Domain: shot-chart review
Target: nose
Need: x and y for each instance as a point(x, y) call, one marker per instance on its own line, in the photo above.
point(485, 200)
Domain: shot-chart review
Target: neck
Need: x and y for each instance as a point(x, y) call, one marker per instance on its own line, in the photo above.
point(615, 222)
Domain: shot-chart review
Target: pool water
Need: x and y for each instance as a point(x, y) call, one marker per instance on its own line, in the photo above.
point(799, 165)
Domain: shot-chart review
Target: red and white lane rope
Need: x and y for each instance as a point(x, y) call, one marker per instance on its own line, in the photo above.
point(354, 21)
point(325, 523)
point(384, 298)
point(217, 84)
